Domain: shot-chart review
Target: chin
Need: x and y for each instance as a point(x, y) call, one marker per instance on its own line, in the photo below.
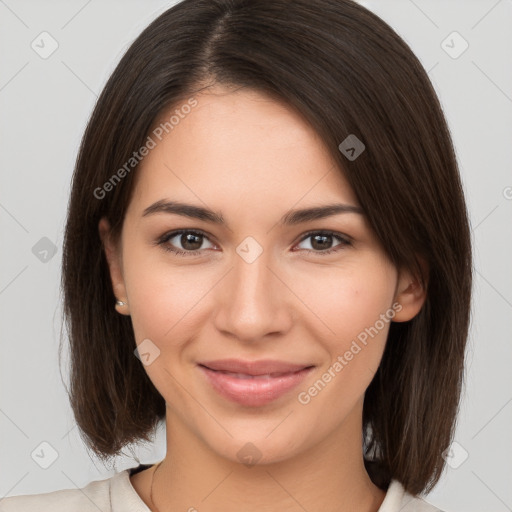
point(256, 447)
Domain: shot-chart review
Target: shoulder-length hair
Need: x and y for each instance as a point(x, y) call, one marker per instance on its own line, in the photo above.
point(348, 73)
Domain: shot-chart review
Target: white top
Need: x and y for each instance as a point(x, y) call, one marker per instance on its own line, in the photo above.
point(116, 494)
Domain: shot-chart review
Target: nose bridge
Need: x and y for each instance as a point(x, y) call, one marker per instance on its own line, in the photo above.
point(251, 277)
point(251, 305)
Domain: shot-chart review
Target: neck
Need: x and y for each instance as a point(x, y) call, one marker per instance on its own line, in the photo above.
point(330, 476)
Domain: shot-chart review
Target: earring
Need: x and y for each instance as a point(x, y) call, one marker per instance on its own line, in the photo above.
point(121, 303)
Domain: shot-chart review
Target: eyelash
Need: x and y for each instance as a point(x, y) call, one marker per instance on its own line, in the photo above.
point(165, 238)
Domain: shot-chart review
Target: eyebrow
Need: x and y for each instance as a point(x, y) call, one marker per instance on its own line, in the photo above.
point(290, 218)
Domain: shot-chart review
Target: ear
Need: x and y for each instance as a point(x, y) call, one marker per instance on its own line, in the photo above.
point(113, 255)
point(410, 293)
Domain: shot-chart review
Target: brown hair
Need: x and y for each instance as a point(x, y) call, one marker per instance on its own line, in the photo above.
point(347, 72)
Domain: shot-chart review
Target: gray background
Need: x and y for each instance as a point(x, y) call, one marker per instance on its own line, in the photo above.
point(44, 106)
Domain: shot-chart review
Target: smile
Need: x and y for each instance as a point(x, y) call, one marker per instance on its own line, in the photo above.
point(253, 390)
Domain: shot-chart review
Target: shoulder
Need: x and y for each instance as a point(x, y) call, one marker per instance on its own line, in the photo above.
point(397, 499)
point(91, 498)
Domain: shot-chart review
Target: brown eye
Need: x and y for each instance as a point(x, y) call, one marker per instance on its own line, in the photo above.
point(183, 242)
point(322, 242)
point(191, 241)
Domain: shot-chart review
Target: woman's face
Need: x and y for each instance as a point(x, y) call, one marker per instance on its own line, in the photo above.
point(253, 287)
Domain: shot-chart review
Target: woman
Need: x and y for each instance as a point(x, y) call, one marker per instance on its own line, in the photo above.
point(267, 247)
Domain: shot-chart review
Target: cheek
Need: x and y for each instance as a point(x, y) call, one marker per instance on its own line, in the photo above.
point(353, 330)
point(164, 299)
point(361, 322)
point(351, 299)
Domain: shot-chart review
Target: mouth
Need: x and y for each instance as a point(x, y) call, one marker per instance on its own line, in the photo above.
point(253, 384)
point(248, 376)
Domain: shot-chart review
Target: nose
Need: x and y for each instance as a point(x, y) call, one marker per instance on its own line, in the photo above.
point(254, 301)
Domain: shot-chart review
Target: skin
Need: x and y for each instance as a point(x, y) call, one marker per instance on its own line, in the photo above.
point(252, 159)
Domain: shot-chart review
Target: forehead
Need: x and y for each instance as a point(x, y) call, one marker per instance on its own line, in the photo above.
point(238, 146)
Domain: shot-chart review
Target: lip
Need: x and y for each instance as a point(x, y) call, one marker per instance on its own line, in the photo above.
point(253, 383)
point(261, 367)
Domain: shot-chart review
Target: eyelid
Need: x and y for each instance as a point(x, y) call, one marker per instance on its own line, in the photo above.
point(175, 232)
point(328, 232)
point(345, 240)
